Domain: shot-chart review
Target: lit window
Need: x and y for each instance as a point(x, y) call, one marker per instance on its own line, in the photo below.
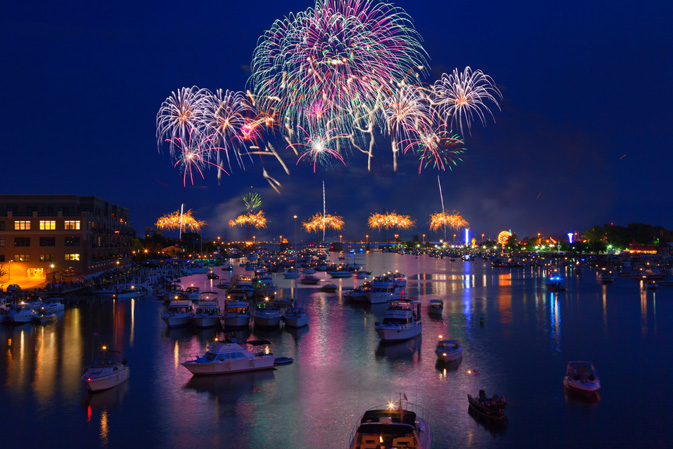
point(2, 242)
point(21, 257)
point(72, 225)
point(47, 225)
point(72, 257)
point(46, 257)
point(22, 225)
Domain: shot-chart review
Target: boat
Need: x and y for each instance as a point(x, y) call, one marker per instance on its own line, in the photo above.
point(290, 275)
point(329, 288)
point(448, 350)
point(266, 314)
point(51, 305)
point(45, 318)
point(392, 426)
point(436, 304)
point(179, 312)
point(582, 379)
point(283, 360)
point(236, 314)
point(401, 321)
point(193, 293)
point(223, 285)
point(207, 313)
point(652, 284)
point(556, 284)
point(606, 277)
point(493, 407)
point(339, 273)
point(295, 317)
point(172, 292)
point(22, 313)
point(212, 275)
point(309, 279)
point(128, 293)
point(106, 371)
point(228, 357)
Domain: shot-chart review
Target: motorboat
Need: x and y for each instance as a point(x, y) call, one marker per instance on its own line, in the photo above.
point(448, 350)
point(22, 313)
point(236, 314)
point(266, 314)
point(207, 312)
point(106, 371)
point(223, 285)
point(357, 294)
point(193, 293)
point(329, 288)
point(229, 357)
point(291, 275)
point(339, 273)
point(45, 318)
point(392, 427)
point(556, 284)
point(386, 288)
point(51, 305)
point(582, 379)
point(309, 279)
point(173, 291)
point(401, 321)
point(295, 317)
point(490, 407)
point(263, 286)
point(436, 305)
point(606, 277)
point(179, 312)
point(128, 293)
point(212, 275)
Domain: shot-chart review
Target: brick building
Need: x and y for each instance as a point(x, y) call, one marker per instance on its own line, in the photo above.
point(62, 236)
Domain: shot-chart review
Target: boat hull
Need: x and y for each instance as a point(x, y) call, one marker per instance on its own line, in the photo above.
point(178, 320)
point(206, 321)
point(238, 366)
point(267, 321)
point(491, 413)
point(296, 321)
point(237, 321)
point(398, 333)
point(108, 381)
point(588, 390)
point(449, 356)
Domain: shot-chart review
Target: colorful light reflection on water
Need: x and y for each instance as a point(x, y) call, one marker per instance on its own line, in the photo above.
point(517, 338)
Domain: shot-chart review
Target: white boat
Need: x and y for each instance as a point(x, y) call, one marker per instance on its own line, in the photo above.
point(448, 350)
point(129, 292)
point(22, 313)
point(307, 270)
point(263, 286)
point(179, 312)
point(223, 285)
point(340, 274)
point(51, 305)
point(582, 379)
point(329, 288)
point(172, 292)
point(392, 427)
point(386, 288)
point(357, 294)
point(207, 313)
point(290, 275)
point(106, 371)
point(401, 321)
point(236, 314)
point(266, 315)
point(227, 357)
point(295, 317)
point(45, 318)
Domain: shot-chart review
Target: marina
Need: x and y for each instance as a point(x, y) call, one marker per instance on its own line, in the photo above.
point(516, 338)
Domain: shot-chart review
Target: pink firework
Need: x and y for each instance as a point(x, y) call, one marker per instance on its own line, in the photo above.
point(194, 156)
point(318, 148)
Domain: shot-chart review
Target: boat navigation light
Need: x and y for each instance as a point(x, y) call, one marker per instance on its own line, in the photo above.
point(441, 336)
point(104, 348)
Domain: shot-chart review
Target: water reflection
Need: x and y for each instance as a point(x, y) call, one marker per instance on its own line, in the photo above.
point(406, 350)
point(228, 389)
point(496, 427)
point(107, 399)
point(445, 367)
point(555, 321)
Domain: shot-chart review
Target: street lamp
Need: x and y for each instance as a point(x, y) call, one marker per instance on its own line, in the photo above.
point(367, 236)
point(10, 270)
point(482, 237)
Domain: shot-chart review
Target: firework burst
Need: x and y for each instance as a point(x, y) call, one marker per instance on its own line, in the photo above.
point(250, 219)
point(194, 155)
point(174, 221)
point(179, 114)
point(252, 201)
point(390, 220)
point(464, 96)
point(449, 219)
point(320, 222)
point(438, 148)
point(318, 148)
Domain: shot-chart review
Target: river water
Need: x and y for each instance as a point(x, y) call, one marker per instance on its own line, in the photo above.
point(517, 339)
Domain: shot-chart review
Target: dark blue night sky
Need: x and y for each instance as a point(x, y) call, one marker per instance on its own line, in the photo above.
point(584, 136)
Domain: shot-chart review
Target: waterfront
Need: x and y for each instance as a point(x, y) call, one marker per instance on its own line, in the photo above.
point(341, 369)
